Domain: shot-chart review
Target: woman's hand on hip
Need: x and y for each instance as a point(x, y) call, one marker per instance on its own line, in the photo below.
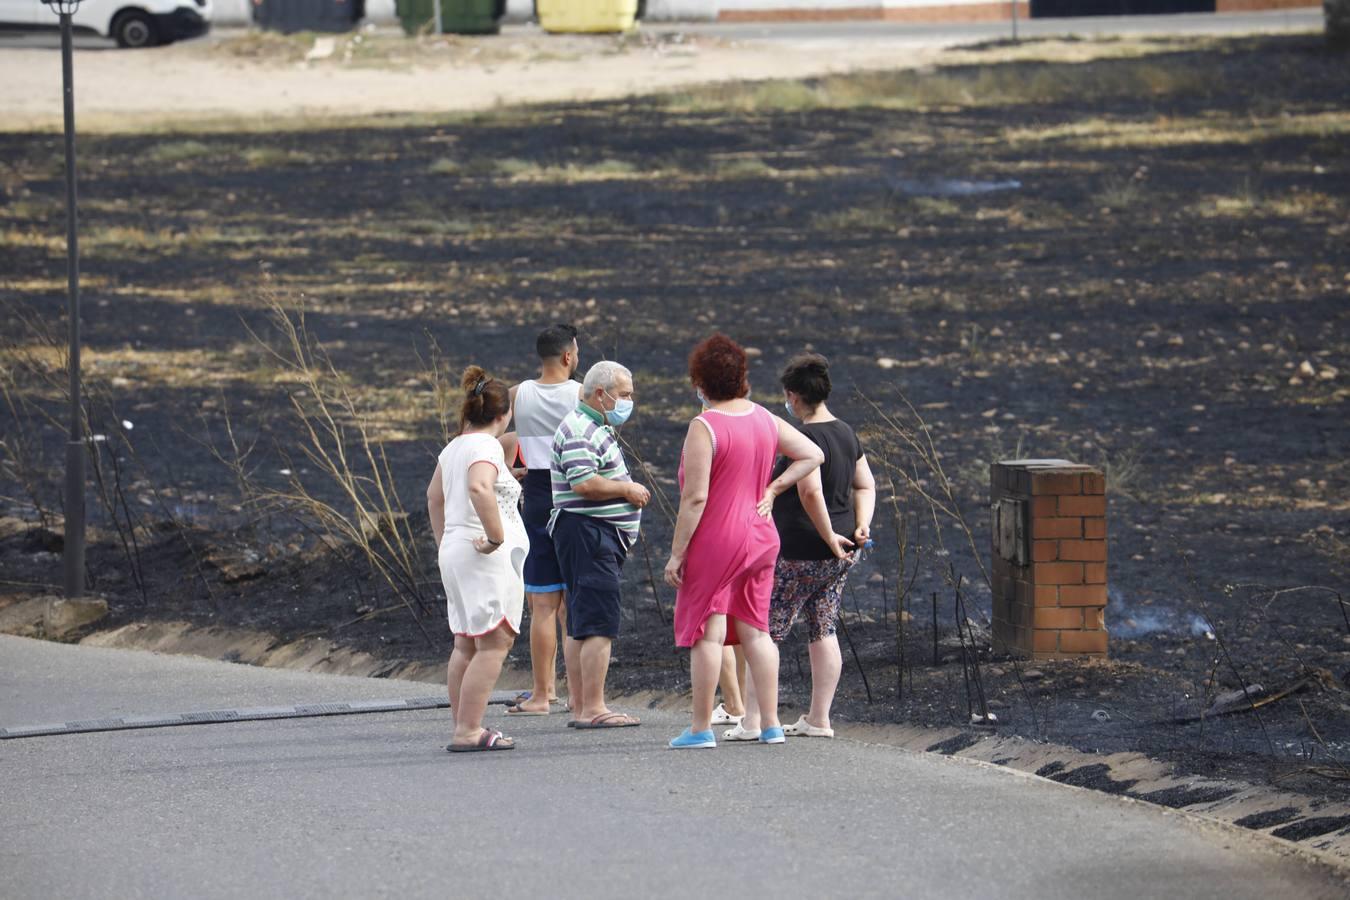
point(675, 571)
point(765, 505)
point(484, 546)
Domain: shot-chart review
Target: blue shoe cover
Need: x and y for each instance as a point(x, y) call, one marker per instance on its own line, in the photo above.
point(691, 740)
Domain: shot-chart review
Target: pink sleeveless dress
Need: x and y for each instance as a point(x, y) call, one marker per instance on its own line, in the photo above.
point(728, 568)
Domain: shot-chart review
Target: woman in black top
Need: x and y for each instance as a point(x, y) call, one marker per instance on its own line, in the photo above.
point(822, 526)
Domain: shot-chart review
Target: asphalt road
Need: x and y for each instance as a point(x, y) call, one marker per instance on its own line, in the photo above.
point(844, 34)
point(373, 806)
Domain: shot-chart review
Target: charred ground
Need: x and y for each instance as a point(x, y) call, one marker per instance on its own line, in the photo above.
point(1165, 291)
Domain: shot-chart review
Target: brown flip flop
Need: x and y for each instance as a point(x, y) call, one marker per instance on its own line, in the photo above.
point(488, 740)
point(518, 710)
point(610, 720)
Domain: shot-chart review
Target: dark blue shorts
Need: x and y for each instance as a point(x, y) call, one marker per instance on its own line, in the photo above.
point(591, 555)
point(542, 575)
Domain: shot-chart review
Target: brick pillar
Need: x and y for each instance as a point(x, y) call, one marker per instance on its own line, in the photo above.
point(1049, 542)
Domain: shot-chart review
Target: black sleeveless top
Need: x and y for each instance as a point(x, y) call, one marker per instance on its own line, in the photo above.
point(842, 452)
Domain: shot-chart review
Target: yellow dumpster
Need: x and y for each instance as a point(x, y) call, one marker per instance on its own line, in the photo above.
point(572, 16)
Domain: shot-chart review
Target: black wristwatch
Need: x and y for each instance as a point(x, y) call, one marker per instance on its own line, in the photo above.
point(492, 542)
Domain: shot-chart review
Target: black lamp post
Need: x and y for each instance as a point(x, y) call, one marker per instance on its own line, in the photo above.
point(75, 445)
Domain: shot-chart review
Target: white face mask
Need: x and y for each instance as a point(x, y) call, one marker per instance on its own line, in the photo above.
point(787, 404)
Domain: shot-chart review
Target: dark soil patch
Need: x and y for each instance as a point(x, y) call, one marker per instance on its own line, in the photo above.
point(1182, 796)
point(1310, 828)
point(1097, 777)
point(954, 744)
point(1165, 294)
point(1268, 819)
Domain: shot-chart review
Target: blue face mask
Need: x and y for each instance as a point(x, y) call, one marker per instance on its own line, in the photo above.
point(620, 413)
point(702, 399)
point(787, 404)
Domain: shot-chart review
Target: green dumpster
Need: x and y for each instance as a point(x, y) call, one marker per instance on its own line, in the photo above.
point(457, 16)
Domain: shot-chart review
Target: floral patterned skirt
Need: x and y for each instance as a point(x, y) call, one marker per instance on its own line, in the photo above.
point(811, 588)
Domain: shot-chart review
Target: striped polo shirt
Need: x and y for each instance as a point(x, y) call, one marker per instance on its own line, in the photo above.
point(584, 447)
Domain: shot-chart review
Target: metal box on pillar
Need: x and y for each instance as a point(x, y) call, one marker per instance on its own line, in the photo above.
point(1049, 553)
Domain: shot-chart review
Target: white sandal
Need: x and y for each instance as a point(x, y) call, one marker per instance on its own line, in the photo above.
point(720, 716)
point(803, 728)
point(740, 734)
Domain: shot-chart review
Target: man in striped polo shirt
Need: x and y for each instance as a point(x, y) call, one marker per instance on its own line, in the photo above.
point(597, 509)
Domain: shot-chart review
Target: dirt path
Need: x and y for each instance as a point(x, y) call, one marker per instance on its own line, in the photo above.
point(238, 78)
point(227, 79)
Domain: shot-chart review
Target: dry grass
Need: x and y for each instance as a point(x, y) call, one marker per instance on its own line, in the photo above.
point(1033, 82)
point(744, 167)
point(341, 444)
point(444, 166)
point(886, 215)
point(1119, 193)
point(872, 217)
point(273, 157)
point(1249, 199)
point(1186, 131)
point(177, 151)
point(567, 173)
point(390, 411)
point(129, 368)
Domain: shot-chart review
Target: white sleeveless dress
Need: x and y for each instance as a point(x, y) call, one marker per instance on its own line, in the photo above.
point(481, 591)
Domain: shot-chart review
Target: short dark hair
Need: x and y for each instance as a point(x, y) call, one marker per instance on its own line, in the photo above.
point(808, 376)
point(718, 365)
point(555, 340)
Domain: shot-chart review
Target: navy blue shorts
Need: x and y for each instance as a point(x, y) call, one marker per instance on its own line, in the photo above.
point(542, 575)
point(591, 555)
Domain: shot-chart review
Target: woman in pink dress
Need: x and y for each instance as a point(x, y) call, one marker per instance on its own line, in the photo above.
point(722, 557)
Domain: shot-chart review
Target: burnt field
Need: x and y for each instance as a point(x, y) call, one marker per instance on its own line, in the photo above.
point(1140, 261)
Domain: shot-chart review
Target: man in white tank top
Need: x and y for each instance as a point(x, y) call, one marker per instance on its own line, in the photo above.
point(539, 405)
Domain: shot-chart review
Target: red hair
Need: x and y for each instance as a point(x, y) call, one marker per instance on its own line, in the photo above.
point(719, 366)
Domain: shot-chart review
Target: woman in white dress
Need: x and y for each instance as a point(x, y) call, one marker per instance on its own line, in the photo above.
point(475, 519)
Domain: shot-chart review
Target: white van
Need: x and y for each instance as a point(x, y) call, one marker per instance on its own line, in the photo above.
point(132, 23)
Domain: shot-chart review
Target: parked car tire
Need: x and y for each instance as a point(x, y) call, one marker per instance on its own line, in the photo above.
point(134, 28)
